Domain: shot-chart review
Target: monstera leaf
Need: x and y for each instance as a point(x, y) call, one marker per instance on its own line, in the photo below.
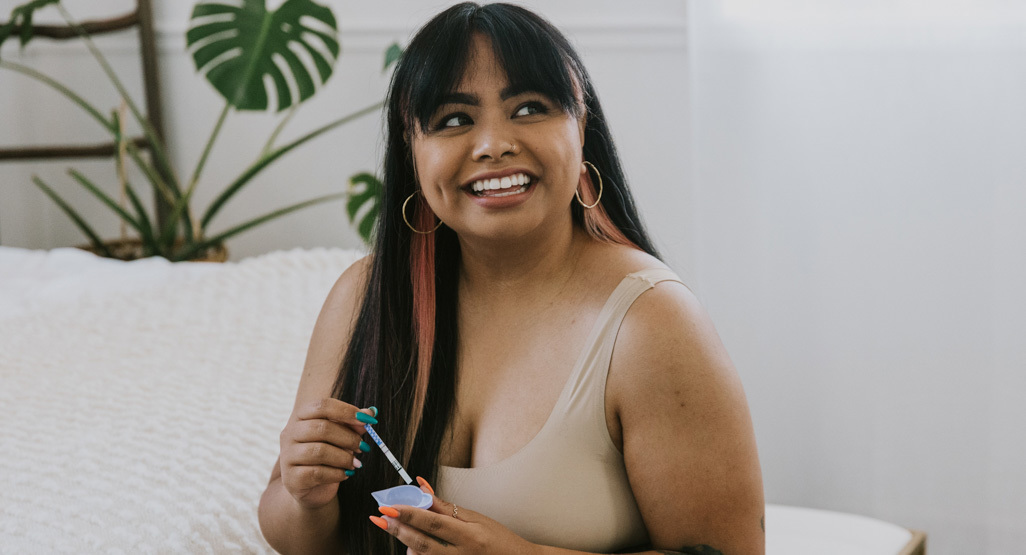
point(370, 196)
point(236, 45)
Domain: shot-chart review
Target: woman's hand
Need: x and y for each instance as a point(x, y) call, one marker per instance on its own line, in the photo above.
point(318, 447)
point(445, 529)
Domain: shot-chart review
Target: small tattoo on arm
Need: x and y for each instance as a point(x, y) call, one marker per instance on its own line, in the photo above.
point(762, 523)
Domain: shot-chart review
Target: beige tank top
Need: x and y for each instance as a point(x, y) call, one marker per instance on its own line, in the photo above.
point(568, 486)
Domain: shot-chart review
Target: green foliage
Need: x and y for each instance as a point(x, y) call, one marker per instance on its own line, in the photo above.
point(392, 55)
point(365, 189)
point(234, 46)
point(365, 192)
point(22, 16)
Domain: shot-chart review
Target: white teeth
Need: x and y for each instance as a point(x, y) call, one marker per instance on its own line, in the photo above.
point(507, 182)
point(516, 191)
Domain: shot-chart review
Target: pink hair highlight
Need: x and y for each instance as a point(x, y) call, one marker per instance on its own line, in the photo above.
point(422, 275)
point(597, 222)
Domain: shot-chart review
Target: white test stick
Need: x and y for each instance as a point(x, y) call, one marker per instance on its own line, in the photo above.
point(388, 454)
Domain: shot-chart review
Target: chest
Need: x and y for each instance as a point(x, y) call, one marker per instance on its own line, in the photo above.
point(512, 369)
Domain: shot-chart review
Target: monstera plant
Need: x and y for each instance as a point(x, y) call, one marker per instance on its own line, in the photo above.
point(236, 45)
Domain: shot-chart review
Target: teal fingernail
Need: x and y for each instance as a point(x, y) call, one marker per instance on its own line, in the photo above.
point(364, 447)
point(375, 409)
point(366, 418)
point(350, 472)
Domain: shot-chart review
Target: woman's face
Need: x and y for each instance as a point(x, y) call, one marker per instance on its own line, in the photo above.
point(486, 134)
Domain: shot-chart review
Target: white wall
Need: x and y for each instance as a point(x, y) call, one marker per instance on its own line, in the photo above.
point(635, 53)
point(860, 205)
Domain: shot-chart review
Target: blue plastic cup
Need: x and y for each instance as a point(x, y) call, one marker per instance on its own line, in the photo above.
point(403, 495)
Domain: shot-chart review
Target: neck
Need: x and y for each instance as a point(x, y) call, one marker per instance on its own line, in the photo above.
point(524, 269)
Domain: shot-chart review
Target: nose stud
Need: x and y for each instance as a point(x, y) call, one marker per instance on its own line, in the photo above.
point(496, 149)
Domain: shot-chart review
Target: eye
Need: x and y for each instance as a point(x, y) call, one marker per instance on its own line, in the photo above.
point(531, 108)
point(454, 120)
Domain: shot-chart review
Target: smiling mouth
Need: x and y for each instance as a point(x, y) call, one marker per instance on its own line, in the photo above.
point(501, 187)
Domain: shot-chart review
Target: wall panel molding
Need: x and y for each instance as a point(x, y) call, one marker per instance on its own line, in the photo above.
point(373, 37)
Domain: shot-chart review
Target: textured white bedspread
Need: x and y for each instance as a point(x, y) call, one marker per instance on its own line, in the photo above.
point(141, 402)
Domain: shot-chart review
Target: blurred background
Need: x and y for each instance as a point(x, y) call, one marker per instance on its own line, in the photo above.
point(842, 183)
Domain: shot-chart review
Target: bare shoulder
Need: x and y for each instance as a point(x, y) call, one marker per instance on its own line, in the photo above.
point(347, 292)
point(667, 338)
point(681, 412)
point(332, 331)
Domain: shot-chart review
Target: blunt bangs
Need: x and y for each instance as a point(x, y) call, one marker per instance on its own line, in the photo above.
point(534, 55)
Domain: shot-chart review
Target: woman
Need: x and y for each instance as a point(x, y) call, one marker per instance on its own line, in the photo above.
point(509, 262)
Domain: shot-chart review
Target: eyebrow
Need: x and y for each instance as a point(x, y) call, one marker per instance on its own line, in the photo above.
point(474, 100)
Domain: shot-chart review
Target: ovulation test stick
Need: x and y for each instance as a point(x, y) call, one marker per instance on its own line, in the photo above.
point(388, 454)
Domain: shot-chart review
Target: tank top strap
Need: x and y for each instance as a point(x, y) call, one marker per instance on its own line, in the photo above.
point(587, 384)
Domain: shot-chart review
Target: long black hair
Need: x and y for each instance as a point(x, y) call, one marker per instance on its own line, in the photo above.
point(402, 355)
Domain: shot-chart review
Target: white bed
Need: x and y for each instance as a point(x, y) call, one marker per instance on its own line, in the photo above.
point(140, 405)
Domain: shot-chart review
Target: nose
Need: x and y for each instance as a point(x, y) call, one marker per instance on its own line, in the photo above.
point(493, 142)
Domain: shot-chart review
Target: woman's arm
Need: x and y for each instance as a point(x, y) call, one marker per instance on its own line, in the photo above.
point(299, 511)
point(290, 528)
point(688, 441)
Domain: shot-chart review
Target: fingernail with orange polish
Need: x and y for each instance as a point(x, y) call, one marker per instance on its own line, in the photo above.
point(379, 522)
point(424, 484)
point(389, 511)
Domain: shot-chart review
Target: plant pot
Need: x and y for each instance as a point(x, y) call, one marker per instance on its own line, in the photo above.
point(131, 249)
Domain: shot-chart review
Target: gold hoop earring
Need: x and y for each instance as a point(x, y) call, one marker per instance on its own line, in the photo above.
point(578, 192)
point(409, 225)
